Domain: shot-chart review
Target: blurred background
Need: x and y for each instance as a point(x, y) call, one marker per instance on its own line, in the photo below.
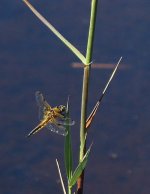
point(32, 58)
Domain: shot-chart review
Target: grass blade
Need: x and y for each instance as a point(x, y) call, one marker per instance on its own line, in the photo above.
point(91, 116)
point(62, 183)
point(79, 168)
point(53, 29)
point(68, 148)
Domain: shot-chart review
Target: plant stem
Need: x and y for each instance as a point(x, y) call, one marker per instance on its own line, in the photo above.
point(89, 50)
point(69, 190)
point(85, 89)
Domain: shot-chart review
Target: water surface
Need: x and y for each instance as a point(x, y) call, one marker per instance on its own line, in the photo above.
point(33, 59)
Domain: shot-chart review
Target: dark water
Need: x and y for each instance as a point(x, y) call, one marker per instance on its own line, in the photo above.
point(33, 59)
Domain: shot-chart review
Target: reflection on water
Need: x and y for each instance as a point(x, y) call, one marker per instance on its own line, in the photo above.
point(29, 62)
point(100, 66)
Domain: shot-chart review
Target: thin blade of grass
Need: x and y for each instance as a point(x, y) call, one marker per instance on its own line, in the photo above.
point(60, 176)
point(53, 29)
point(79, 168)
point(68, 148)
point(91, 116)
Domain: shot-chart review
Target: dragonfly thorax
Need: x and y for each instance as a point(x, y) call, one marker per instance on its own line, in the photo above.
point(60, 109)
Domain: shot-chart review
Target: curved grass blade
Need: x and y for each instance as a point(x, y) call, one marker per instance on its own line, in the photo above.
point(91, 116)
point(53, 29)
point(68, 147)
point(79, 168)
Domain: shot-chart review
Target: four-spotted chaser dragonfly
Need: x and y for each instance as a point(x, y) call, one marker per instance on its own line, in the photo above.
point(53, 118)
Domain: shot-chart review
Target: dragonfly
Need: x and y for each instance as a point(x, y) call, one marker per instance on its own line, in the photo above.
point(54, 119)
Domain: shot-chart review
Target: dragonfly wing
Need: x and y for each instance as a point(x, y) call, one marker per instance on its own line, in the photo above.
point(44, 107)
point(39, 98)
point(64, 121)
point(57, 129)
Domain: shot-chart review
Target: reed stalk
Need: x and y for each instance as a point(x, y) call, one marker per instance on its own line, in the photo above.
point(85, 89)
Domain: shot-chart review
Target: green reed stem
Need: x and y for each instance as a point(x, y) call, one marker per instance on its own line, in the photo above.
point(69, 190)
point(85, 88)
point(89, 50)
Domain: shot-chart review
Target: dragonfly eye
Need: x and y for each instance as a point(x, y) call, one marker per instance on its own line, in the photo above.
point(62, 108)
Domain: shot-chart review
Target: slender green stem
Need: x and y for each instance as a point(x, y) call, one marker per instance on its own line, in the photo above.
point(89, 50)
point(85, 89)
point(69, 190)
point(86, 75)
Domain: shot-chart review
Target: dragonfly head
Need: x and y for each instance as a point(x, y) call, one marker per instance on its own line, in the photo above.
point(62, 108)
